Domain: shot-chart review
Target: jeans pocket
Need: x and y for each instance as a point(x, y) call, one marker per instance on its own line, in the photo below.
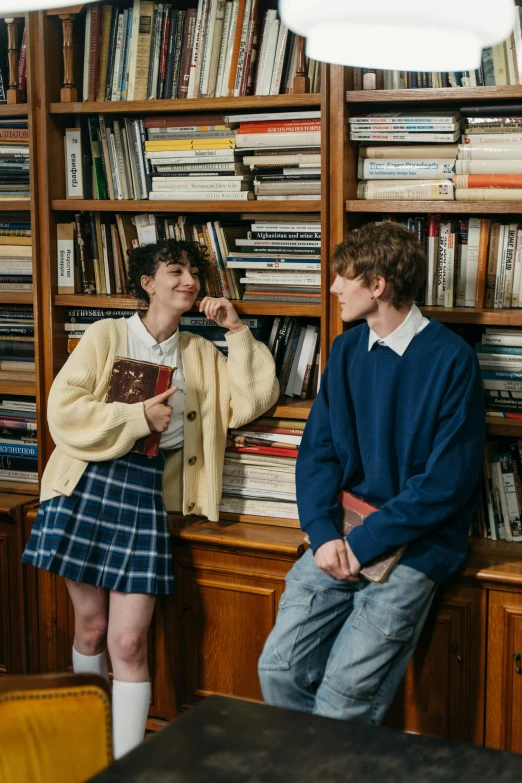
point(294, 610)
point(391, 624)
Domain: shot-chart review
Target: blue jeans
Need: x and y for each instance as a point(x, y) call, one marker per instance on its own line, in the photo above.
point(340, 649)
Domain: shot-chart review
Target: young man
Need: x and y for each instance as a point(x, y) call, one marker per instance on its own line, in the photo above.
point(399, 422)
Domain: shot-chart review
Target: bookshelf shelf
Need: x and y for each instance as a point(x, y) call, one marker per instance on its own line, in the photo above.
point(228, 516)
point(21, 487)
point(183, 105)
point(498, 426)
point(290, 408)
point(180, 207)
point(472, 315)
point(18, 387)
point(244, 308)
point(13, 110)
point(437, 207)
point(12, 297)
point(452, 94)
point(15, 205)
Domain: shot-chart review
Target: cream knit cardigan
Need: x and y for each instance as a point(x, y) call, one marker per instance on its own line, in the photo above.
point(220, 392)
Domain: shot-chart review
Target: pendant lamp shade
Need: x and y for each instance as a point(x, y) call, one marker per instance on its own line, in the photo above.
point(402, 35)
point(21, 6)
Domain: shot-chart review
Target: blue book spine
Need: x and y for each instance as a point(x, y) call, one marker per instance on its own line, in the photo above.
point(500, 375)
point(502, 349)
point(19, 451)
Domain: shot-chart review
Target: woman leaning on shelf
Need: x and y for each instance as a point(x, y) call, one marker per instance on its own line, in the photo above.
point(102, 522)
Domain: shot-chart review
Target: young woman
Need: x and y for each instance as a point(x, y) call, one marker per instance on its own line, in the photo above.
point(102, 522)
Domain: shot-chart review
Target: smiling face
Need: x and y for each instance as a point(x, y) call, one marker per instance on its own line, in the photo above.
point(174, 287)
point(355, 298)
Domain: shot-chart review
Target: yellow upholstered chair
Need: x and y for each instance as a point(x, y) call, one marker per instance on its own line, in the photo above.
point(54, 728)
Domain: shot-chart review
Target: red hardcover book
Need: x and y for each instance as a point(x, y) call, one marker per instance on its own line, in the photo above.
point(267, 450)
point(135, 381)
point(186, 54)
point(284, 126)
point(273, 430)
point(94, 51)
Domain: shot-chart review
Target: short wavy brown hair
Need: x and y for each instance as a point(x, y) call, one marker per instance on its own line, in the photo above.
point(385, 249)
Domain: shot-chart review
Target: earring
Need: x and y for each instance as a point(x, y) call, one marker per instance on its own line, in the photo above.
point(372, 297)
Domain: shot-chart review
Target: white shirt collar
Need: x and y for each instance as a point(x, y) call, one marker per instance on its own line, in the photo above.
point(399, 339)
point(138, 328)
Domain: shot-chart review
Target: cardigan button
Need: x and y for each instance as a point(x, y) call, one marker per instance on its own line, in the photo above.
point(190, 506)
point(191, 415)
point(192, 460)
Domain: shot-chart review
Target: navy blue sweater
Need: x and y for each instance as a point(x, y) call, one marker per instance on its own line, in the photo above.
point(405, 433)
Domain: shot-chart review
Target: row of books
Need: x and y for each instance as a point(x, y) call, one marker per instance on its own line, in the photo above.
point(501, 65)
point(14, 159)
point(276, 260)
point(16, 266)
point(7, 78)
point(259, 469)
point(18, 445)
point(500, 358)
point(195, 157)
point(220, 48)
point(500, 515)
point(17, 344)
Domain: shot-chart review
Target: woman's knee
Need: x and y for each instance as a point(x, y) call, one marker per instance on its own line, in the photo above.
point(91, 631)
point(128, 646)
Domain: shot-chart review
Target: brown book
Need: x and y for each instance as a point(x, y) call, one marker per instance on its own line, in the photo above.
point(143, 50)
point(491, 275)
point(353, 513)
point(94, 52)
point(482, 262)
point(135, 381)
point(106, 20)
point(72, 342)
point(357, 78)
point(235, 50)
point(186, 56)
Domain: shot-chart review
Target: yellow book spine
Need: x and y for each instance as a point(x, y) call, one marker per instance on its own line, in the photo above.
point(191, 144)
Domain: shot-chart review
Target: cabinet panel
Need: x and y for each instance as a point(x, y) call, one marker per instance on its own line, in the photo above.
point(504, 682)
point(443, 690)
point(12, 618)
point(225, 621)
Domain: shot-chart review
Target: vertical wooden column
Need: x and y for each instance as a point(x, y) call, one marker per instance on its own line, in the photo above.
point(68, 93)
point(13, 93)
point(301, 80)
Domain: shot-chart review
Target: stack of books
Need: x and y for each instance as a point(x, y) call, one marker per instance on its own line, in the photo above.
point(281, 260)
point(193, 158)
point(408, 171)
point(217, 49)
point(295, 346)
point(17, 344)
point(16, 266)
point(489, 160)
point(78, 320)
point(284, 152)
point(18, 445)
point(501, 507)
point(198, 324)
point(259, 469)
point(14, 159)
point(500, 358)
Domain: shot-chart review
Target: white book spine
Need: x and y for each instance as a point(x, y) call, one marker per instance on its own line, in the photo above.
point(229, 49)
point(277, 73)
point(108, 289)
point(422, 138)
point(488, 167)
point(449, 281)
point(209, 45)
point(295, 362)
point(369, 168)
point(516, 300)
point(192, 87)
point(133, 57)
point(242, 49)
point(269, 140)
point(511, 232)
point(488, 194)
point(65, 244)
point(73, 163)
point(202, 48)
point(116, 78)
point(494, 152)
point(433, 243)
point(118, 193)
point(470, 278)
point(461, 271)
point(499, 278)
point(86, 52)
point(155, 52)
point(445, 230)
point(248, 471)
point(425, 190)
point(196, 184)
point(270, 57)
point(217, 37)
point(268, 21)
point(194, 195)
point(308, 341)
point(491, 139)
point(223, 48)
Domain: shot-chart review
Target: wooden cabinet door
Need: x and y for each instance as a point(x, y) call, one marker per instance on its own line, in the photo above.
point(443, 690)
point(12, 619)
point(224, 620)
point(504, 673)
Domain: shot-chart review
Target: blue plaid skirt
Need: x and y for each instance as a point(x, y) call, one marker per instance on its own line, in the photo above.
point(111, 532)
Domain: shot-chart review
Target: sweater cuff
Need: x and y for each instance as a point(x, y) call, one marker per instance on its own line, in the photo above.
point(320, 531)
point(240, 340)
point(134, 417)
point(363, 545)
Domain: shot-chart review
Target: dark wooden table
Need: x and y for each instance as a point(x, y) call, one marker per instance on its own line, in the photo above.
point(231, 741)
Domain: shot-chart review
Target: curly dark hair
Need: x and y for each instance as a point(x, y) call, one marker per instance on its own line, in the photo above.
point(146, 259)
point(387, 249)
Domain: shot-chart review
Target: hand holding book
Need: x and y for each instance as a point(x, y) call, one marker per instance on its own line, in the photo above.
point(157, 412)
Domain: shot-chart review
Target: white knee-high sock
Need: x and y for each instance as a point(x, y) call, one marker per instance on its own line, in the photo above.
point(130, 706)
point(92, 664)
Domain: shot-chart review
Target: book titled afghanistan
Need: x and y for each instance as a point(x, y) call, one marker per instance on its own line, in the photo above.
point(354, 512)
point(136, 381)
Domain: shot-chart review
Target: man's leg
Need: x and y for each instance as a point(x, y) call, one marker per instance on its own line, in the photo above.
point(313, 608)
point(371, 652)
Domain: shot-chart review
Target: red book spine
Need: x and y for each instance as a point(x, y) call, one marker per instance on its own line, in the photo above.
point(282, 127)
point(163, 55)
point(354, 503)
point(152, 441)
point(273, 430)
point(248, 51)
point(264, 450)
point(94, 52)
point(186, 57)
point(22, 66)
point(18, 424)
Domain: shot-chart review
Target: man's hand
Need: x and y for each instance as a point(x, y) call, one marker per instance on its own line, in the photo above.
point(333, 559)
point(353, 563)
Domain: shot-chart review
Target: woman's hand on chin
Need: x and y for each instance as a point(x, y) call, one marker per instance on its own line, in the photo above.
point(221, 311)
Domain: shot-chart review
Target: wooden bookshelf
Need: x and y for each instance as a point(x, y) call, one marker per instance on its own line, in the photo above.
point(472, 315)
point(13, 110)
point(20, 487)
point(431, 207)
point(15, 205)
point(186, 105)
point(499, 426)
point(18, 387)
point(12, 297)
point(436, 94)
point(290, 408)
point(180, 207)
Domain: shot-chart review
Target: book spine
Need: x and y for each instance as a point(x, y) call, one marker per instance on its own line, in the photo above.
point(165, 32)
point(22, 65)
point(167, 89)
point(94, 52)
point(105, 36)
point(86, 51)
point(488, 194)
point(65, 245)
point(186, 57)
point(133, 56)
point(116, 76)
point(430, 190)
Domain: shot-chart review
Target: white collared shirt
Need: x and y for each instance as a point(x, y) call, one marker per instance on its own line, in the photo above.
point(401, 337)
point(142, 346)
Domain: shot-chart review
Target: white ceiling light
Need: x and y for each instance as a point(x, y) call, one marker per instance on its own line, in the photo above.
point(21, 6)
point(402, 35)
